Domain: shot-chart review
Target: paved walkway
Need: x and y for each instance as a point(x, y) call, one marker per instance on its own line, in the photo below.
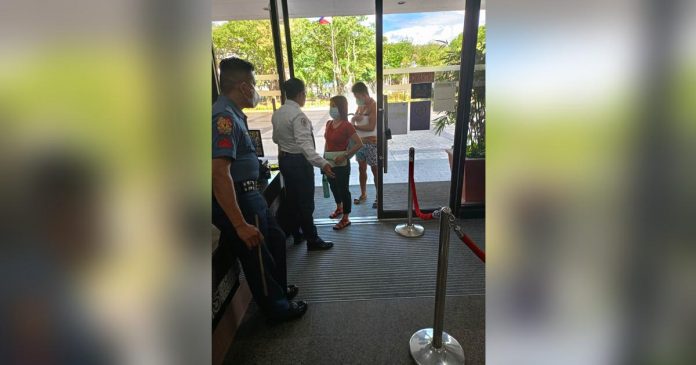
point(431, 159)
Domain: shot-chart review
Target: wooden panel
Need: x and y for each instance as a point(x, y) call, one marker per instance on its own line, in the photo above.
point(223, 335)
point(421, 77)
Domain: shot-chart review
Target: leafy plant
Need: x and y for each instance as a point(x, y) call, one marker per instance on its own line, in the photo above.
point(476, 137)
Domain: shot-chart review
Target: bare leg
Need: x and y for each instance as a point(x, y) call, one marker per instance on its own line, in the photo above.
point(374, 177)
point(363, 178)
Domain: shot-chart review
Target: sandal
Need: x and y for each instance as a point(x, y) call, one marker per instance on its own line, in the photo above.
point(360, 200)
point(337, 213)
point(341, 224)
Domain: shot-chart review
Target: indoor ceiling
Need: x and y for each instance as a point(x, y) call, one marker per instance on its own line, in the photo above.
point(250, 9)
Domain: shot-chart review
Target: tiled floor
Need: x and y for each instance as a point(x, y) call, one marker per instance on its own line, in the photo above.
point(431, 159)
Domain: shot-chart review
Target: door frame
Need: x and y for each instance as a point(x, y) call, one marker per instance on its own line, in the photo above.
point(466, 76)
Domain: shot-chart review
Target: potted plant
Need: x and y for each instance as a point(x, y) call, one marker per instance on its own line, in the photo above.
point(473, 190)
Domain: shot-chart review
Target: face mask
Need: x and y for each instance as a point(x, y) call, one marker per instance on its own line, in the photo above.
point(333, 112)
point(255, 98)
point(360, 102)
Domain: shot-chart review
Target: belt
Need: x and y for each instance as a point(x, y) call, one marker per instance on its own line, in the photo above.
point(246, 186)
point(288, 154)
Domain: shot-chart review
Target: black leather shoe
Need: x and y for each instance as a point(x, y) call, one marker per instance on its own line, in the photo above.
point(297, 309)
point(319, 245)
point(292, 292)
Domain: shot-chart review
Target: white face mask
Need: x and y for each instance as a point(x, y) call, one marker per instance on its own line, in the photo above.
point(333, 112)
point(256, 99)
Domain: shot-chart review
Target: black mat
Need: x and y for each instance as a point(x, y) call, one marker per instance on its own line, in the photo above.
point(367, 296)
point(431, 195)
point(358, 332)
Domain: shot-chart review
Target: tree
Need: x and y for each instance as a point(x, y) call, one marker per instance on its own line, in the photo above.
point(399, 54)
point(339, 53)
point(248, 39)
point(430, 54)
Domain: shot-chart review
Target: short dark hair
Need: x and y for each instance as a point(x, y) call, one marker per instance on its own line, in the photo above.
point(232, 71)
point(360, 88)
point(293, 87)
point(342, 104)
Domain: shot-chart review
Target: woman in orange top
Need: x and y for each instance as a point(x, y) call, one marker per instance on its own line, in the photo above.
point(339, 132)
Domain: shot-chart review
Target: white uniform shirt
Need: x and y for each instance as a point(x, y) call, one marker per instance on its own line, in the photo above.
point(293, 133)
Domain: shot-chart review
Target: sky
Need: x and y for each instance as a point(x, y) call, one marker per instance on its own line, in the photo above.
point(423, 28)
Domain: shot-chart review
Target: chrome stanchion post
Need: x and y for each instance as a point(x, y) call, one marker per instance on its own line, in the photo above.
point(409, 229)
point(433, 345)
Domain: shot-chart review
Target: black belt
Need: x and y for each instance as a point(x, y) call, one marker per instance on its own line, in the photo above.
point(287, 154)
point(246, 186)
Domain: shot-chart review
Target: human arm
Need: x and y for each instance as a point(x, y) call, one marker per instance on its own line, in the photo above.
point(371, 113)
point(302, 131)
point(226, 134)
point(357, 145)
point(274, 121)
point(223, 189)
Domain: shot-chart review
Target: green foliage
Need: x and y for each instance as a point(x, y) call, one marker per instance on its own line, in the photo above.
point(340, 53)
point(398, 55)
point(476, 138)
point(476, 150)
point(329, 57)
point(443, 121)
point(248, 39)
point(430, 54)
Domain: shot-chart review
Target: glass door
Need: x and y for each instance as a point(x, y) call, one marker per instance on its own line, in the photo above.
point(418, 63)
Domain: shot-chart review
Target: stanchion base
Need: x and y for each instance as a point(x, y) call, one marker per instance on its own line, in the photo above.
point(413, 230)
point(424, 353)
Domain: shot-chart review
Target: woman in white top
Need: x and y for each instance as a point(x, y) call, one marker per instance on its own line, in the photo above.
point(365, 123)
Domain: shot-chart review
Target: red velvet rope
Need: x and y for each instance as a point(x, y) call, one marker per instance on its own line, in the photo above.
point(420, 214)
point(466, 239)
point(473, 247)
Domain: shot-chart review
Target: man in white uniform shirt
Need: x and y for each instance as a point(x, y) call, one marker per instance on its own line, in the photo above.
point(297, 156)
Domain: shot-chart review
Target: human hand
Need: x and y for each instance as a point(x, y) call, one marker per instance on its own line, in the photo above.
point(328, 172)
point(251, 236)
point(340, 159)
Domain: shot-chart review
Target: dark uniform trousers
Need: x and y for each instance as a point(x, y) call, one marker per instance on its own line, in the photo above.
point(298, 206)
point(273, 251)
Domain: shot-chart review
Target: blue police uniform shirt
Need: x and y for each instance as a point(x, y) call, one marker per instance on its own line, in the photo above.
point(231, 140)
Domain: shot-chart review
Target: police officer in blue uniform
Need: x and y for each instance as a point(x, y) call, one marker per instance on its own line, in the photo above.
point(237, 203)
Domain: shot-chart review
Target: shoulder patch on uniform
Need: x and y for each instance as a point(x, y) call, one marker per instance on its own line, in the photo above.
point(224, 125)
point(303, 120)
point(225, 142)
